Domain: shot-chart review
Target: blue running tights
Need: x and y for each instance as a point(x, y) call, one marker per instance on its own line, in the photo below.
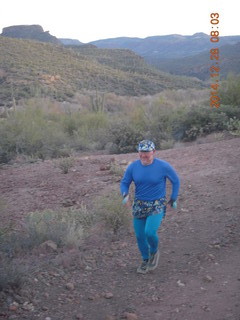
point(146, 233)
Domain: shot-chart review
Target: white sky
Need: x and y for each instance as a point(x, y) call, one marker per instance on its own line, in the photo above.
point(89, 20)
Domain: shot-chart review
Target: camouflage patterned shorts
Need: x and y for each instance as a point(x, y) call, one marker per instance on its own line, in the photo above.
point(143, 209)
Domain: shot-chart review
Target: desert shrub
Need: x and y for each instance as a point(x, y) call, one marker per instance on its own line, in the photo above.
point(193, 121)
point(94, 129)
point(70, 124)
point(166, 144)
point(110, 210)
point(87, 130)
point(12, 274)
point(160, 128)
point(5, 155)
point(159, 122)
point(217, 121)
point(200, 121)
point(230, 90)
point(7, 226)
point(230, 111)
point(64, 227)
point(64, 164)
point(29, 132)
point(233, 126)
point(123, 137)
point(155, 121)
point(192, 133)
point(116, 169)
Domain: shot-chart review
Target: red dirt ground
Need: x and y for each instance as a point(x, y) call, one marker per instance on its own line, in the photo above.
point(198, 277)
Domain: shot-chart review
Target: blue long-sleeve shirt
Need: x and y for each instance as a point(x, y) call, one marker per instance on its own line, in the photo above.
point(150, 180)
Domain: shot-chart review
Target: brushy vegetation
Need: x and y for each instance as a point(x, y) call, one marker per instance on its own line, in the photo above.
point(64, 164)
point(43, 129)
point(13, 274)
point(230, 90)
point(110, 210)
point(63, 227)
point(116, 169)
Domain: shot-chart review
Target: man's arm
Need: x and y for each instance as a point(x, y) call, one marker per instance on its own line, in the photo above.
point(126, 181)
point(175, 181)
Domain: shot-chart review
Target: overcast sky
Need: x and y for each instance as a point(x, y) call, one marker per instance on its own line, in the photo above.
point(89, 20)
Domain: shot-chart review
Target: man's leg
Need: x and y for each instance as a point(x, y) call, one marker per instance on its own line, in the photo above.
point(153, 222)
point(139, 228)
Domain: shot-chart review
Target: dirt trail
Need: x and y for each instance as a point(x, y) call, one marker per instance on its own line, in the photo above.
point(198, 276)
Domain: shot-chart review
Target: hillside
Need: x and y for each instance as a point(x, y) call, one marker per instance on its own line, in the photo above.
point(173, 54)
point(198, 276)
point(181, 55)
point(30, 68)
point(198, 65)
point(120, 59)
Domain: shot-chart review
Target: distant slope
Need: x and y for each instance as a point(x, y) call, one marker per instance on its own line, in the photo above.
point(119, 59)
point(165, 47)
point(29, 67)
point(70, 42)
point(198, 65)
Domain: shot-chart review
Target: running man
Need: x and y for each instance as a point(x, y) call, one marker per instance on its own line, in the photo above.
point(149, 175)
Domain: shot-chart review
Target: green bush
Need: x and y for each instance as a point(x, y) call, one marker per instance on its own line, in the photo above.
point(201, 121)
point(166, 144)
point(233, 126)
point(230, 111)
point(112, 212)
point(116, 169)
point(5, 155)
point(230, 90)
point(64, 227)
point(154, 121)
point(29, 132)
point(65, 164)
point(12, 274)
point(87, 130)
point(8, 225)
point(123, 137)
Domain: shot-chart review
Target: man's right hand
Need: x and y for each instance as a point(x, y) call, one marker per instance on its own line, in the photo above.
point(125, 199)
point(172, 203)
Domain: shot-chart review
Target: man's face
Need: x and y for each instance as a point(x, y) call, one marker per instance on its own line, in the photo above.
point(146, 158)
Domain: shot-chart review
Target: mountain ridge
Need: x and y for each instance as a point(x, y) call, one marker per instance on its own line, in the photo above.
point(168, 46)
point(34, 32)
point(163, 46)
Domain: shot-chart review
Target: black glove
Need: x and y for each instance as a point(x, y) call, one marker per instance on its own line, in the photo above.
point(125, 198)
point(172, 203)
